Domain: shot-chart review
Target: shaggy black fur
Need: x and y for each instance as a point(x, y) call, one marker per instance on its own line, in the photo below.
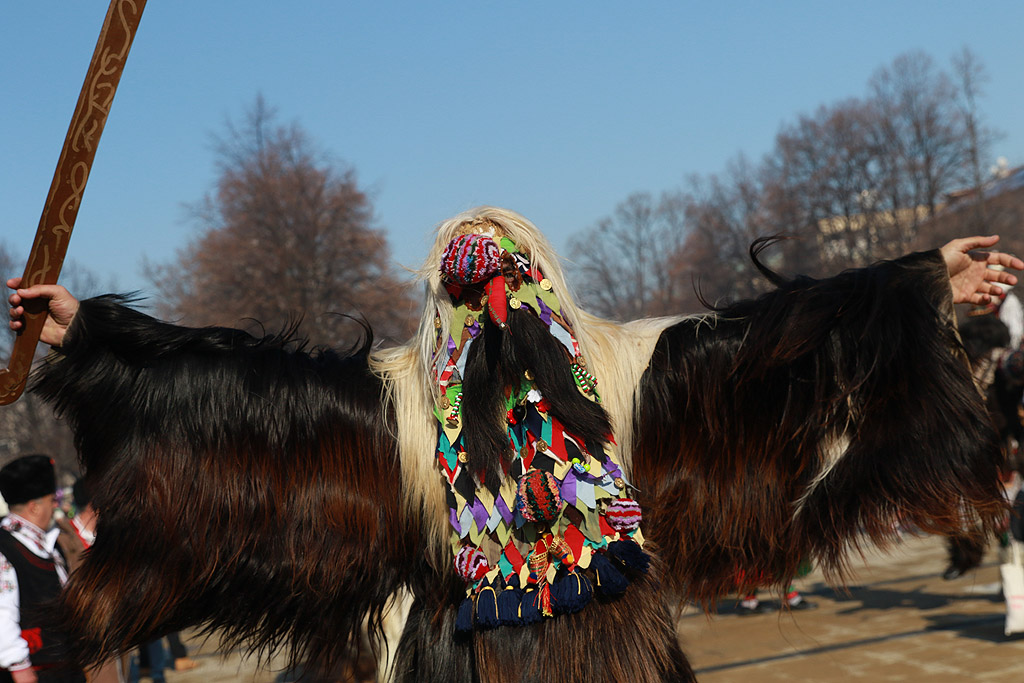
point(241, 483)
point(499, 360)
point(734, 414)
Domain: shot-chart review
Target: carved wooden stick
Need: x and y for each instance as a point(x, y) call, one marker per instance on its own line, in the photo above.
point(69, 178)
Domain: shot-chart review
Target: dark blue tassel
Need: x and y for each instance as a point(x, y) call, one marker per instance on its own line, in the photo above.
point(629, 553)
point(529, 610)
point(571, 593)
point(609, 581)
point(464, 619)
point(509, 601)
point(487, 608)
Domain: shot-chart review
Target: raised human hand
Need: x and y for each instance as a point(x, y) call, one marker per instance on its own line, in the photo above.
point(60, 304)
point(970, 276)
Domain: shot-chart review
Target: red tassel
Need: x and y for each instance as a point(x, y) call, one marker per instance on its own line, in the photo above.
point(544, 599)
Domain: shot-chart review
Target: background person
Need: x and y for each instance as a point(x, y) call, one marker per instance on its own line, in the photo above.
point(32, 571)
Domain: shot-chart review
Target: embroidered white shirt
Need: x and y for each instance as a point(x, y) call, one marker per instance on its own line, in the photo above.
point(14, 653)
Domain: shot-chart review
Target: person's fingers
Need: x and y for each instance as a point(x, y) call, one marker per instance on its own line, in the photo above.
point(1006, 278)
point(993, 275)
point(983, 293)
point(1005, 260)
point(979, 299)
point(976, 242)
point(36, 291)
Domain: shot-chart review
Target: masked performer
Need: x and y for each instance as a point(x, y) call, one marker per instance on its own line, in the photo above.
point(544, 483)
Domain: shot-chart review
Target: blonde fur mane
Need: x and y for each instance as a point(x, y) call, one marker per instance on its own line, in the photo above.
point(617, 355)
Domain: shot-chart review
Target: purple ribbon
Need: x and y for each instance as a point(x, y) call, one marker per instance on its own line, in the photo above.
point(480, 514)
point(545, 312)
point(568, 487)
point(503, 510)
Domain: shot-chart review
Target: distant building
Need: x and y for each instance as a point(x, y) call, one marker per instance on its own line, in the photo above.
point(861, 238)
point(864, 237)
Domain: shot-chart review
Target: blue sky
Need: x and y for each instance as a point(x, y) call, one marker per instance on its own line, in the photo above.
point(558, 110)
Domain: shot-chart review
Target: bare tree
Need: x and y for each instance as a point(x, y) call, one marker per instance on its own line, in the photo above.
point(624, 269)
point(922, 127)
point(970, 79)
point(726, 214)
point(838, 186)
point(856, 181)
point(860, 177)
point(286, 236)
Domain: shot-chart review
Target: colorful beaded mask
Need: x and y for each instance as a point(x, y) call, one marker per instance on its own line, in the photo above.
point(545, 521)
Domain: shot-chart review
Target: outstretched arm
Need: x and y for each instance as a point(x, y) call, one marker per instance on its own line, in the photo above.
point(970, 273)
point(782, 428)
point(242, 484)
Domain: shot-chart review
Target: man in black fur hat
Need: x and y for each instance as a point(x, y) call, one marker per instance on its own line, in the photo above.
point(32, 571)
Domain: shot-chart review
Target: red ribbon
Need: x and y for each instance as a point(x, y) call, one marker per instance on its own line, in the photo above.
point(497, 304)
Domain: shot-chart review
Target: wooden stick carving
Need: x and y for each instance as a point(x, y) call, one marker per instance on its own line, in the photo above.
point(69, 179)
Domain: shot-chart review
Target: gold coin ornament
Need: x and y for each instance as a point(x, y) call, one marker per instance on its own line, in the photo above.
point(513, 302)
point(545, 284)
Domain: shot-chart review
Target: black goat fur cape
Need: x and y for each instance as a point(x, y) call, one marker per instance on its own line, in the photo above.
point(252, 486)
